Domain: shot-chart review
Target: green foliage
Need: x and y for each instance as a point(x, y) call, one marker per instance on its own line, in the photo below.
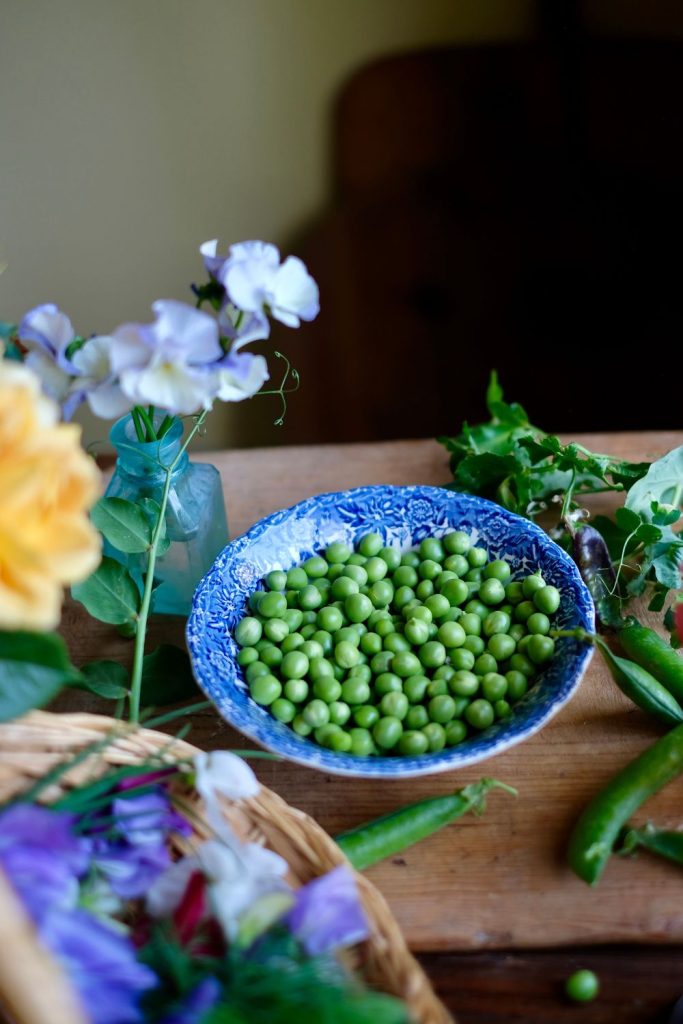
point(125, 525)
point(110, 594)
point(662, 485)
point(167, 677)
point(107, 679)
point(33, 669)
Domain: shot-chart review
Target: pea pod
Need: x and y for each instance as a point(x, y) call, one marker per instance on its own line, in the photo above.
point(641, 687)
point(393, 832)
point(648, 649)
point(666, 843)
point(595, 832)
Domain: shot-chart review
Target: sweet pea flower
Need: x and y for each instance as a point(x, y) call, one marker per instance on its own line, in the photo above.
point(47, 333)
point(96, 381)
point(168, 363)
point(241, 375)
point(222, 772)
point(328, 913)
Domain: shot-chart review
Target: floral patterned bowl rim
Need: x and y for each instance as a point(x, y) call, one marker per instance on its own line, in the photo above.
point(403, 515)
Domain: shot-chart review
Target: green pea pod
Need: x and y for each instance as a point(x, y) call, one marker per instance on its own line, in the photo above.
point(645, 647)
point(596, 831)
point(642, 688)
point(393, 832)
point(666, 844)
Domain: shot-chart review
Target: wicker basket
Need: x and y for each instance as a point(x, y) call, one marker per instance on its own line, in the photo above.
point(35, 993)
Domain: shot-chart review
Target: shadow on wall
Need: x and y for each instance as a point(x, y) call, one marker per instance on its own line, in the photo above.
point(514, 206)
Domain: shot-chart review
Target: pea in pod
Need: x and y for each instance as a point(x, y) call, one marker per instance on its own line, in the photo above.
point(667, 844)
point(596, 831)
point(647, 648)
point(392, 833)
point(641, 687)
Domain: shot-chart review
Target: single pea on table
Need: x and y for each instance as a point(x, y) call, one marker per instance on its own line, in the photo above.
point(382, 651)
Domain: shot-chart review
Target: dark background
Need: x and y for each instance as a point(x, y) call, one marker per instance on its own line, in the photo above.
point(513, 206)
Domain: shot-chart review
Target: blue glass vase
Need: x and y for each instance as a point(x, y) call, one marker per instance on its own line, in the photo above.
point(196, 524)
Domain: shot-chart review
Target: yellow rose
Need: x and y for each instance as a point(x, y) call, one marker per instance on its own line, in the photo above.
point(47, 485)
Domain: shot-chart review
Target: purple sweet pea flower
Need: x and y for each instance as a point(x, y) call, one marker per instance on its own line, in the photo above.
point(130, 870)
point(328, 913)
point(101, 965)
point(201, 999)
point(147, 819)
point(46, 329)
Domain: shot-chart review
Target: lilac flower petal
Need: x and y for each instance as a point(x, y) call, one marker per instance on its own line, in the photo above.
point(189, 331)
point(131, 870)
point(41, 828)
point(47, 328)
point(147, 818)
point(212, 261)
point(295, 293)
point(242, 328)
point(42, 880)
point(328, 913)
point(201, 999)
point(101, 965)
point(241, 376)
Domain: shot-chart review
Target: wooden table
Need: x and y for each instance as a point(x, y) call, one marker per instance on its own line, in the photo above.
point(489, 904)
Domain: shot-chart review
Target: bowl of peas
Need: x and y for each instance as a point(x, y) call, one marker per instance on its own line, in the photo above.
point(390, 631)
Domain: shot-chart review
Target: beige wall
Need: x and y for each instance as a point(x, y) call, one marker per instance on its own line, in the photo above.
point(132, 130)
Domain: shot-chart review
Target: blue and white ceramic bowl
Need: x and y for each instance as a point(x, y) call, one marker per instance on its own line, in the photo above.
point(403, 516)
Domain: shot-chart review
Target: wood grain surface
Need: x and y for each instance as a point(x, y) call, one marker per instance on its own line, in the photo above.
point(495, 882)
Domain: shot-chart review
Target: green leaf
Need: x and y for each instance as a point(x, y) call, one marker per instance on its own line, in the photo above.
point(663, 484)
point(107, 679)
point(110, 594)
point(494, 392)
point(33, 669)
point(627, 520)
point(152, 510)
point(167, 677)
point(126, 526)
point(666, 562)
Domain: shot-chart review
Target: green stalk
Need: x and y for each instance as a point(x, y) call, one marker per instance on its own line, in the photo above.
point(140, 636)
point(149, 425)
point(134, 414)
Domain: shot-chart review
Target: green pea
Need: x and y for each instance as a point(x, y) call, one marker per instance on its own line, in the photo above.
point(337, 552)
point(456, 591)
point(308, 631)
point(428, 570)
point(416, 631)
point(473, 579)
point(456, 731)
point(514, 593)
point(538, 622)
point(524, 643)
point(417, 717)
point(248, 631)
point(499, 569)
point(276, 580)
point(471, 624)
point(358, 607)
point(432, 654)
point(532, 583)
point(339, 741)
point(256, 669)
point(356, 573)
point(271, 656)
point(346, 654)
point(517, 631)
point(315, 566)
point(310, 598)
point(377, 616)
point(323, 585)
point(362, 744)
point(381, 662)
point(316, 713)
point(444, 672)
point(443, 578)
point(384, 628)
point(452, 634)
point(436, 736)
point(348, 634)
point(320, 668)
point(335, 571)
point(477, 557)
point(371, 644)
point(294, 665)
point(412, 743)
point(388, 682)
point(406, 664)
point(547, 600)
point(340, 712)
point(437, 688)
point(438, 605)
point(495, 622)
point(501, 646)
point(327, 689)
point(396, 642)
point(265, 689)
point(301, 726)
point(541, 649)
point(502, 709)
point(296, 690)
point(363, 672)
point(476, 607)
point(283, 710)
point(376, 569)
point(387, 732)
point(494, 686)
point(415, 687)
point(355, 691)
point(246, 656)
point(322, 637)
point(480, 714)
point(343, 587)
point(456, 542)
point(410, 558)
point(517, 684)
point(582, 986)
point(520, 663)
point(402, 596)
point(462, 659)
point(405, 576)
point(492, 592)
point(294, 619)
point(457, 564)
point(523, 611)
point(475, 644)
point(395, 705)
point(485, 663)
point(296, 578)
point(464, 684)
point(366, 716)
point(330, 619)
point(312, 649)
point(370, 544)
point(441, 709)
point(381, 593)
point(392, 556)
point(424, 589)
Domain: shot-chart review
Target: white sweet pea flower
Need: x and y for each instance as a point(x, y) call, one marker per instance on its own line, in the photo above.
point(47, 330)
point(168, 363)
point(224, 773)
point(238, 880)
point(97, 382)
point(256, 282)
point(241, 376)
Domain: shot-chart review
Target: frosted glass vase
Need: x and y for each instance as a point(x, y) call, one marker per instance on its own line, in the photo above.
point(196, 523)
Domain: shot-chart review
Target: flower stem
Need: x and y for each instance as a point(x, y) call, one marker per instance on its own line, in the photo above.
point(139, 430)
point(147, 420)
point(143, 615)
